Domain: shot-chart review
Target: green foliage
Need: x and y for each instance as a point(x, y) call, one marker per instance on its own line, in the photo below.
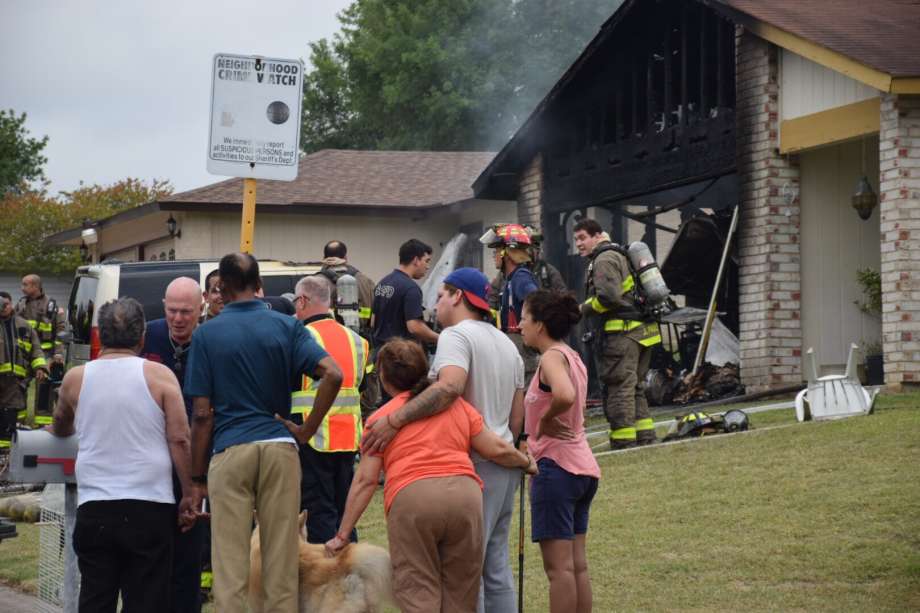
point(870, 281)
point(440, 74)
point(21, 160)
point(34, 215)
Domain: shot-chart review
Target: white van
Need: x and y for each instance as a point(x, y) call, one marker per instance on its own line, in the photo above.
point(146, 282)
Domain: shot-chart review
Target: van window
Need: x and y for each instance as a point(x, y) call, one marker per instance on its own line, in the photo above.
point(279, 284)
point(147, 283)
point(81, 307)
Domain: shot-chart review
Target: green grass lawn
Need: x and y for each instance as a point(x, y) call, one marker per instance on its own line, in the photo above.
point(817, 516)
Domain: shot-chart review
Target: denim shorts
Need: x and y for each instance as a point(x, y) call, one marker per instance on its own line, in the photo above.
point(559, 502)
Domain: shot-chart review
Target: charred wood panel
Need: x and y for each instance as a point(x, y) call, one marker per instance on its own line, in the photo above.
point(653, 110)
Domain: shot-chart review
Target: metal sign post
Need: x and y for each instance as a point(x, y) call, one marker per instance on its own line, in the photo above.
point(255, 125)
point(248, 222)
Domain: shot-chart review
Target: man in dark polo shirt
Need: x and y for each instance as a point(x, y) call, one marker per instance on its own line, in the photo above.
point(397, 310)
point(244, 364)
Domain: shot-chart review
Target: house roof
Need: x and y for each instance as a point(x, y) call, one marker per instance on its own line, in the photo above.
point(337, 177)
point(882, 34)
point(877, 43)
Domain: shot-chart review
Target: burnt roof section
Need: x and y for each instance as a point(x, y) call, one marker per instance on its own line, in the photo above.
point(882, 34)
point(348, 178)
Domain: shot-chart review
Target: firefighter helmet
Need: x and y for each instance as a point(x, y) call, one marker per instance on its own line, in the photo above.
point(693, 424)
point(735, 421)
point(510, 235)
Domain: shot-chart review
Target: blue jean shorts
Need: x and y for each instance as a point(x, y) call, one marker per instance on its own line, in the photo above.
point(559, 502)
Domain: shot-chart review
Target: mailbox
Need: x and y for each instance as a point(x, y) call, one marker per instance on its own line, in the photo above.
point(37, 456)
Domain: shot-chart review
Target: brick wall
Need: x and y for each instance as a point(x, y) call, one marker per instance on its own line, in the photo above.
point(899, 201)
point(530, 193)
point(768, 230)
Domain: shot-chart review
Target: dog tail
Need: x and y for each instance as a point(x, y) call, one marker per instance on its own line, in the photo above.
point(372, 564)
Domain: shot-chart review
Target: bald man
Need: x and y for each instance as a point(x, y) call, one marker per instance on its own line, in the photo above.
point(167, 341)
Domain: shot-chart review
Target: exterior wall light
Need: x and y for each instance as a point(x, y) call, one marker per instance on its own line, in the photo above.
point(172, 227)
point(864, 199)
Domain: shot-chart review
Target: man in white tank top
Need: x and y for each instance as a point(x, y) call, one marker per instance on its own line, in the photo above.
point(132, 429)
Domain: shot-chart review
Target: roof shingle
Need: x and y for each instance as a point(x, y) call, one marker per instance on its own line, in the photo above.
point(882, 34)
point(339, 177)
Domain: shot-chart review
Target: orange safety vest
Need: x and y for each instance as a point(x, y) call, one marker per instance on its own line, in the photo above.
point(341, 428)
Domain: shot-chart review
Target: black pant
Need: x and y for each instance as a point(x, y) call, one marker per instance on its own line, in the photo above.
point(126, 546)
point(186, 562)
point(324, 485)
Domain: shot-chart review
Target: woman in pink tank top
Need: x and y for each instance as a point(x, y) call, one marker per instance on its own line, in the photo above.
point(554, 417)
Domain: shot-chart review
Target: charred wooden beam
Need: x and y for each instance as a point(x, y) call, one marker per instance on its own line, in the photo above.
point(668, 81)
point(720, 62)
point(704, 101)
point(683, 65)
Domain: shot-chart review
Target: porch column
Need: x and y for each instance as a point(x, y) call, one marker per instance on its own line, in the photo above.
point(899, 201)
point(768, 233)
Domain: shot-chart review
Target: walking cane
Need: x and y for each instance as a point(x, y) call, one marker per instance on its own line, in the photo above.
point(522, 445)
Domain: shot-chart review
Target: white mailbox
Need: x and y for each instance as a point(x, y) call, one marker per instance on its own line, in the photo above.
point(38, 456)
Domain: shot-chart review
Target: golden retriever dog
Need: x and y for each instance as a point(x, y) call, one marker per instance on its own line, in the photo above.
point(357, 580)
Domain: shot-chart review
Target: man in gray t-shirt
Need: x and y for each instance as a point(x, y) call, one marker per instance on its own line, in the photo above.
point(477, 361)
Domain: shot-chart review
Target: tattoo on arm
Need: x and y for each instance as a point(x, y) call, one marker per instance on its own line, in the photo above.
point(433, 400)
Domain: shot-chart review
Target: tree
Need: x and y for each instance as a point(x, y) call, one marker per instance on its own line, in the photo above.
point(34, 215)
point(21, 160)
point(440, 74)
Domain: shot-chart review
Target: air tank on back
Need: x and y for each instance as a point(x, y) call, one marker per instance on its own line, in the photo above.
point(653, 286)
point(346, 291)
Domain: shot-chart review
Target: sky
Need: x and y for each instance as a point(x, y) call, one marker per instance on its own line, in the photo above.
point(122, 87)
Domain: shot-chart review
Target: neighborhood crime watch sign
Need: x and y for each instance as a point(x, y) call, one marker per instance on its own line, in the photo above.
point(255, 117)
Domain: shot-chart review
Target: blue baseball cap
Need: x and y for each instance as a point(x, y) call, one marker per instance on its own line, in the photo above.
point(473, 284)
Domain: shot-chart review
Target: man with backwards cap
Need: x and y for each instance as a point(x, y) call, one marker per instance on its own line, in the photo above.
point(475, 360)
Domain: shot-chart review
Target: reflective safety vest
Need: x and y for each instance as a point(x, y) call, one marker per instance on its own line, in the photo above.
point(647, 337)
point(341, 428)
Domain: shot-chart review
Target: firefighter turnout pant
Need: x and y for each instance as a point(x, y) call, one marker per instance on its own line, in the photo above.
point(622, 364)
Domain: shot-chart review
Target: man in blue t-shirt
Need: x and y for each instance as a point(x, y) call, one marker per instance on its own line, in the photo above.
point(244, 364)
point(167, 341)
point(397, 310)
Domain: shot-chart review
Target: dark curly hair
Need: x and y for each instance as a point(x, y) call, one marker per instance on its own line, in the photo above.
point(558, 311)
point(404, 365)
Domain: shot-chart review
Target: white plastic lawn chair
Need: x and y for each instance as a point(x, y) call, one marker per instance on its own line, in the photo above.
point(833, 396)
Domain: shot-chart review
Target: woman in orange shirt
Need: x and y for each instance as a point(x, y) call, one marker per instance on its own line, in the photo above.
point(432, 496)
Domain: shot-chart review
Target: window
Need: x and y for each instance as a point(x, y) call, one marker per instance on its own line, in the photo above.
point(81, 307)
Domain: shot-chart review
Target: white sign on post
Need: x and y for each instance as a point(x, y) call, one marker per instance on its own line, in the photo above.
point(255, 117)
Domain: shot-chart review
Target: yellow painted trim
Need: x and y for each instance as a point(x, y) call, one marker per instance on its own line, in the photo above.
point(834, 125)
point(820, 55)
point(905, 85)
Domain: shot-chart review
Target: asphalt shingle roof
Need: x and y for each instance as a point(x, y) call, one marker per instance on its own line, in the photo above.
point(883, 34)
point(337, 177)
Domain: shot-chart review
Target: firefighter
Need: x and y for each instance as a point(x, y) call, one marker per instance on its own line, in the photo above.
point(512, 244)
point(327, 459)
point(547, 275)
point(335, 264)
point(621, 338)
point(47, 320)
point(21, 357)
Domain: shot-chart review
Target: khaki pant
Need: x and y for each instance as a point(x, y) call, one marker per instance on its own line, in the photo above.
point(435, 532)
point(264, 477)
point(622, 366)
